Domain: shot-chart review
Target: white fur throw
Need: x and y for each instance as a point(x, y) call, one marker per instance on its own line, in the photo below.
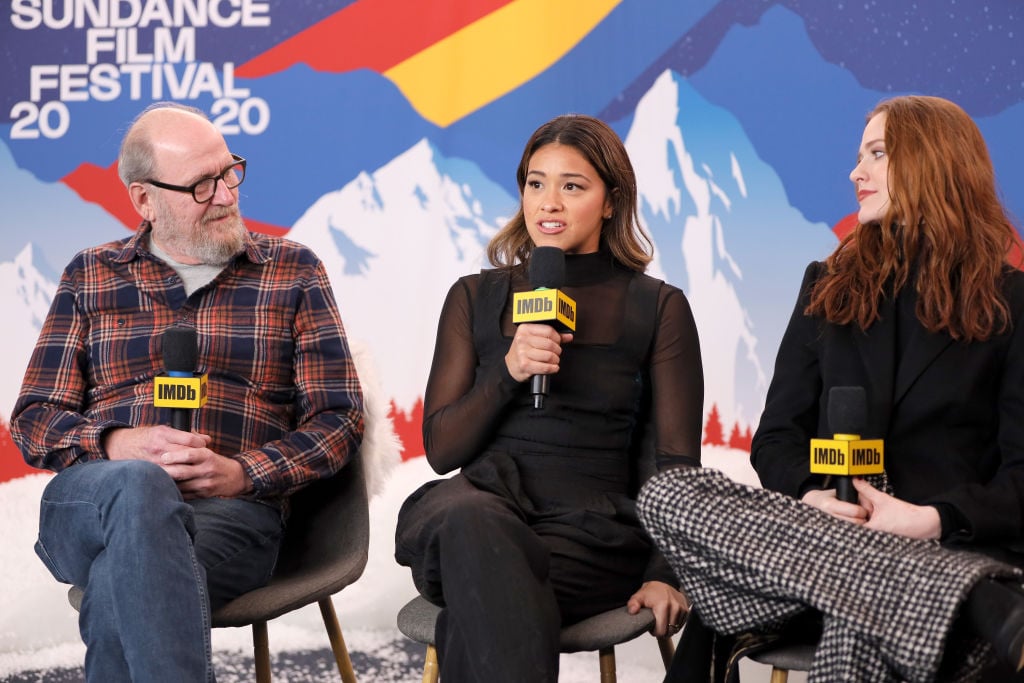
point(381, 448)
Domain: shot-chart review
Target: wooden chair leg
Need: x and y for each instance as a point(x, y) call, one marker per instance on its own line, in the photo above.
point(668, 650)
point(261, 651)
point(348, 675)
point(606, 656)
point(431, 672)
point(779, 675)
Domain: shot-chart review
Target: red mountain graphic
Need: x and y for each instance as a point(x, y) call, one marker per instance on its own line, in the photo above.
point(102, 186)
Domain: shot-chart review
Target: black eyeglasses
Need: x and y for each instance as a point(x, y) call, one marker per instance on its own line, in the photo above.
point(203, 190)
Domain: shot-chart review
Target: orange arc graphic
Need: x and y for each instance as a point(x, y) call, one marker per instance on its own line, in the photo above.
point(494, 55)
point(369, 34)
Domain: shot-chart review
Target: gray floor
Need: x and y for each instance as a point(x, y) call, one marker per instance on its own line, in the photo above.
point(401, 662)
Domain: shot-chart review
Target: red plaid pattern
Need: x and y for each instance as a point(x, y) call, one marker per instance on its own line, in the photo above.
point(284, 398)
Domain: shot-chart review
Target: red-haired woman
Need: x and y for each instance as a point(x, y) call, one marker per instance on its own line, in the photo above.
point(918, 578)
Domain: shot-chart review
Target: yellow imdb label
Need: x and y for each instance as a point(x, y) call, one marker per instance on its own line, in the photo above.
point(544, 306)
point(179, 392)
point(847, 456)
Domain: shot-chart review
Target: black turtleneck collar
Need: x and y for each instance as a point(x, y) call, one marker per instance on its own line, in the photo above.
point(583, 269)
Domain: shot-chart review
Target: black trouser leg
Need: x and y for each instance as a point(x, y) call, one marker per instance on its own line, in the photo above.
point(472, 552)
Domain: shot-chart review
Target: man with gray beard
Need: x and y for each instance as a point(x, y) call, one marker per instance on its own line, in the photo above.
point(161, 526)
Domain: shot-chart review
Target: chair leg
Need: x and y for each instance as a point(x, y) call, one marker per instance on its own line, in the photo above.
point(606, 656)
point(431, 672)
point(779, 675)
point(261, 651)
point(337, 641)
point(668, 650)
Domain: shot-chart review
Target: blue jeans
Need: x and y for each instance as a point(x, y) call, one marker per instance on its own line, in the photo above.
point(151, 565)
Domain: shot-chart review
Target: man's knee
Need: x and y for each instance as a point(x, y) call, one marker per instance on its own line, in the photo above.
point(145, 478)
point(139, 494)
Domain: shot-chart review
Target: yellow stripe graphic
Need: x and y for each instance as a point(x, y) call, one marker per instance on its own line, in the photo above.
point(481, 62)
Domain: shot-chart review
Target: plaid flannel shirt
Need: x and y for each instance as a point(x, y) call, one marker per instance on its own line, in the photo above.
point(284, 398)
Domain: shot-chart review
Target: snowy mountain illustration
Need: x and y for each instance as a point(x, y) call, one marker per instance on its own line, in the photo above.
point(717, 214)
point(37, 209)
point(395, 239)
point(27, 287)
point(713, 208)
point(393, 242)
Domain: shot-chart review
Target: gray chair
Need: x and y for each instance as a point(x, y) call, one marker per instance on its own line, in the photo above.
point(601, 632)
point(785, 657)
point(324, 549)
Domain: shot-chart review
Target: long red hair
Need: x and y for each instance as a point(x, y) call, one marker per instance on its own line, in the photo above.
point(944, 222)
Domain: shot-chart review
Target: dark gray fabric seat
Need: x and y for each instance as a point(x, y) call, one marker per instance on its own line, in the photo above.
point(324, 549)
point(601, 632)
point(784, 658)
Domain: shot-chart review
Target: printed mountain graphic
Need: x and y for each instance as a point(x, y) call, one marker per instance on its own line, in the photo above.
point(395, 239)
point(713, 208)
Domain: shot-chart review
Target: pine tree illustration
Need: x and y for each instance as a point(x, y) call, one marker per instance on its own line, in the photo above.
point(713, 435)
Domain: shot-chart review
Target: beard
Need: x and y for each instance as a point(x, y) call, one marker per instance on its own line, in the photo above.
point(209, 240)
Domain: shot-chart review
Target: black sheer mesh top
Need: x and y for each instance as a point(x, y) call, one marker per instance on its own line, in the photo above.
point(633, 369)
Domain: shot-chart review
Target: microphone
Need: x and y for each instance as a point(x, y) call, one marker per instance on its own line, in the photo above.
point(178, 388)
point(846, 454)
point(545, 304)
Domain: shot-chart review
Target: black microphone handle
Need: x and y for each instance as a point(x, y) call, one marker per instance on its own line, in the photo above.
point(845, 491)
point(181, 418)
point(539, 387)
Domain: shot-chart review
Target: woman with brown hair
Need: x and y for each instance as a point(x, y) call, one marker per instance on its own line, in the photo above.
point(920, 310)
point(538, 530)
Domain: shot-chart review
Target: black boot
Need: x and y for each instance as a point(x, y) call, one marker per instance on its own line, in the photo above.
point(995, 610)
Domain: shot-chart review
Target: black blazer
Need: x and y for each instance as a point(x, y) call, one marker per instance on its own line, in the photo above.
point(951, 413)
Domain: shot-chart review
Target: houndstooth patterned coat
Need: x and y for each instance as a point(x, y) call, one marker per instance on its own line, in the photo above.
point(751, 559)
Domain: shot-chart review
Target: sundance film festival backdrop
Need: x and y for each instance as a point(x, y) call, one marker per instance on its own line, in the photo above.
point(385, 135)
